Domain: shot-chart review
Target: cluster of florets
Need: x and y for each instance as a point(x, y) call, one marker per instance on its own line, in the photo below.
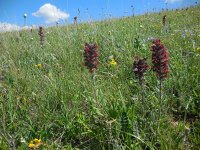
point(41, 34)
point(159, 59)
point(140, 66)
point(91, 57)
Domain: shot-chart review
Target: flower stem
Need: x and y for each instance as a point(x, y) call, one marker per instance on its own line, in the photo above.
point(143, 103)
point(94, 88)
point(160, 97)
point(142, 94)
point(160, 102)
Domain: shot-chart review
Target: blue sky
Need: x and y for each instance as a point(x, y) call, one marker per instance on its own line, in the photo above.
point(48, 12)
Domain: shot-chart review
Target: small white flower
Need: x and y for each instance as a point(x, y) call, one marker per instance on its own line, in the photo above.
point(34, 94)
point(183, 34)
point(22, 140)
point(150, 38)
point(111, 57)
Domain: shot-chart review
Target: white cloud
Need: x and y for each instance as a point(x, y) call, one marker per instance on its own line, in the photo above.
point(172, 1)
point(8, 27)
point(50, 13)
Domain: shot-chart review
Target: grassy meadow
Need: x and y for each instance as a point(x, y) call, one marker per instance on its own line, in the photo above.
point(47, 94)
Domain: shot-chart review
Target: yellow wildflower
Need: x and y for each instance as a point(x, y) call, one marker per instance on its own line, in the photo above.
point(113, 62)
point(39, 66)
point(198, 49)
point(31, 145)
point(35, 143)
point(109, 33)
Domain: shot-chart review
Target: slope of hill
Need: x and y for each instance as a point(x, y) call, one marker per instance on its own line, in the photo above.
point(47, 93)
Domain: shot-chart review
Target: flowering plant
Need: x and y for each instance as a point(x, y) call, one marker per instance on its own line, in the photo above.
point(139, 67)
point(159, 59)
point(91, 57)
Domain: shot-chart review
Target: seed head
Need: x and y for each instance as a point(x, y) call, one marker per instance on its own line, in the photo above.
point(75, 20)
point(25, 15)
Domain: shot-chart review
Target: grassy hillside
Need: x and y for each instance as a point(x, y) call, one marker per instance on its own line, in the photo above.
point(47, 93)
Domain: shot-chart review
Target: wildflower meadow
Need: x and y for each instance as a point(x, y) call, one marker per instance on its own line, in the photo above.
point(125, 84)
